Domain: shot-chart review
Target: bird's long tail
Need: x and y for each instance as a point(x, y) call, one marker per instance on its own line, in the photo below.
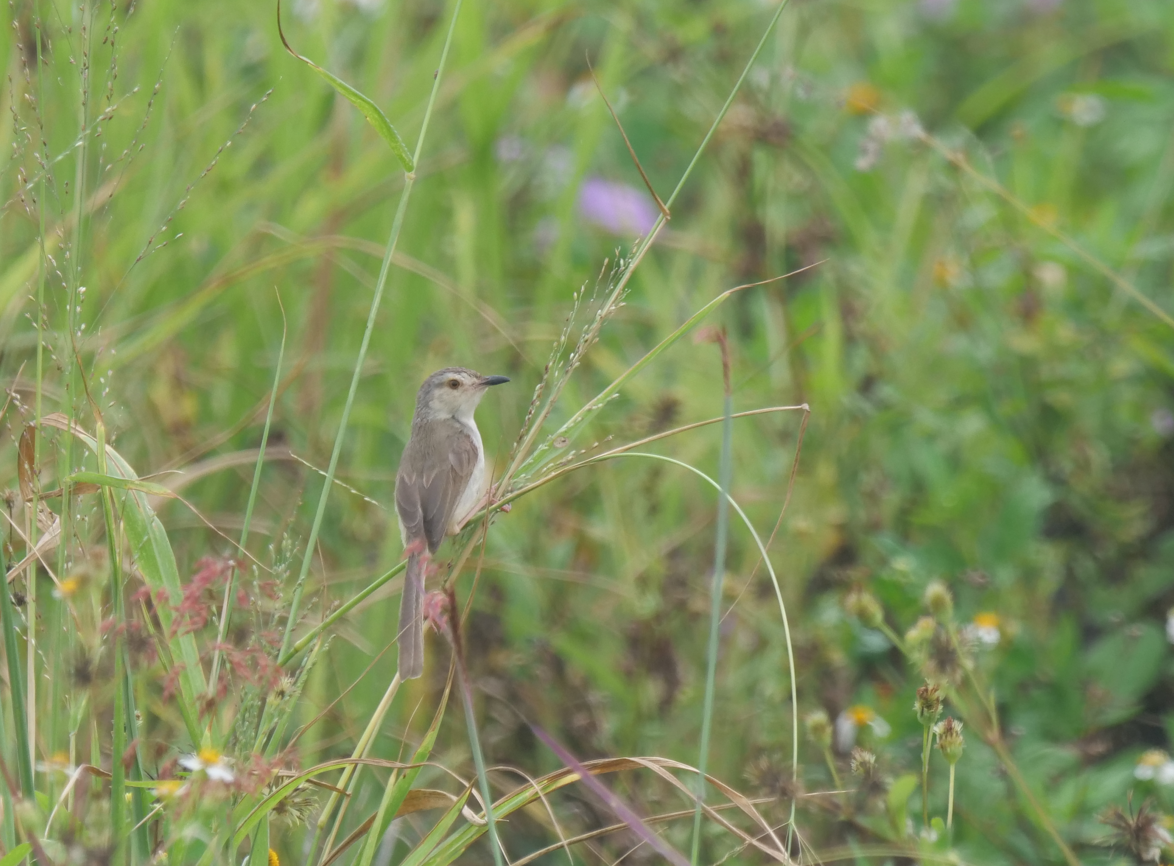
point(411, 620)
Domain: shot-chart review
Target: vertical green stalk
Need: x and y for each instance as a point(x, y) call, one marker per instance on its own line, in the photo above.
point(7, 822)
point(69, 352)
point(478, 758)
point(925, 744)
point(125, 723)
point(230, 587)
point(950, 802)
point(349, 776)
point(830, 760)
point(35, 505)
point(715, 605)
point(380, 284)
point(24, 762)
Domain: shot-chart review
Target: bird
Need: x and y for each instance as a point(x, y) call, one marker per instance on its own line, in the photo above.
point(440, 483)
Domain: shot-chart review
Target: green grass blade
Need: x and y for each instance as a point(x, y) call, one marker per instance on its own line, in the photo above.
point(339, 612)
point(259, 853)
point(436, 834)
point(125, 716)
point(778, 595)
point(397, 793)
point(370, 110)
point(249, 822)
point(101, 479)
point(380, 285)
point(24, 763)
point(152, 553)
point(230, 586)
point(16, 854)
point(350, 775)
point(478, 761)
point(715, 613)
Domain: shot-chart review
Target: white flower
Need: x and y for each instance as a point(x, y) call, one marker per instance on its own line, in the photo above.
point(1155, 765)
point(1170, 625)
point(984, 629)
point(1083, 109)
point(211, 763)
point(58, 763)
point(851, 720)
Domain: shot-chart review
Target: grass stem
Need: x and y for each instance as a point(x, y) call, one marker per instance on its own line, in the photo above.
point(950, 801)
point(380, 285)
point(715, 607)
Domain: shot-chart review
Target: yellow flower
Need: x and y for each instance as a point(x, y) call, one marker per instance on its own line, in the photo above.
point(214, 765)
point(58, 763)
point(862, 98)
point(273, 861)
point(168, 788)
point(861, 714)
point(986, 620)
point(67, 587)
point(986, 628)
point(851, 720)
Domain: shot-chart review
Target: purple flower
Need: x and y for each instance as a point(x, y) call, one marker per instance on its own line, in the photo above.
point(616, 207)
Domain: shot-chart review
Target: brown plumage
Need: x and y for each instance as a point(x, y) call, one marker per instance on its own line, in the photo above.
point(440, 482)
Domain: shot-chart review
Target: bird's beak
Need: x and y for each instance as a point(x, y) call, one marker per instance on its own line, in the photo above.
point(494, 380)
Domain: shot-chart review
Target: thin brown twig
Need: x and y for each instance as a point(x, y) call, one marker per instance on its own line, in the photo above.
point(631, 151)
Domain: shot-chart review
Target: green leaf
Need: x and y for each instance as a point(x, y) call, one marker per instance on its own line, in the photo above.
point(429, 842)
point(120, 483)
point(15, 682)
point(250, 821)
point(371, 111)
point(260, 850)
point(16, 855)
point(396, 794)
point(152, 554)
point(898, 800)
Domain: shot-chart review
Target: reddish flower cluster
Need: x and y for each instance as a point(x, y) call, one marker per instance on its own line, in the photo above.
point(195, 608)
point(252, 665)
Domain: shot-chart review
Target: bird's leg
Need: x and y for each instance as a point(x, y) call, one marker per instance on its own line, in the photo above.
point(416, 546)
point(436, 610)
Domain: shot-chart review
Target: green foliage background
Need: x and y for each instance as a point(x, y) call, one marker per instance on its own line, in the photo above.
point(990, 404)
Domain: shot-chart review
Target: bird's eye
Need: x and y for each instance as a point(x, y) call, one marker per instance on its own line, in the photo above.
point(454, 384)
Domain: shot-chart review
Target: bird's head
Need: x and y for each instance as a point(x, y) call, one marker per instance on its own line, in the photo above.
point(453, 392)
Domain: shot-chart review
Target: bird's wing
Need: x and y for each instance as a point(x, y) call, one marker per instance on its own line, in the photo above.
point(432, 478)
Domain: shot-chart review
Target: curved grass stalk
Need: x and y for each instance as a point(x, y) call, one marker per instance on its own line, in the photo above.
point(365, 593)
point(380, 285)
point(715, 600)
point(452, 847)
point(569, 428)
point(778, 594)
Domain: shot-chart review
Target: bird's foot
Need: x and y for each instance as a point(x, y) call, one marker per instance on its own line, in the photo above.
point(436, 610)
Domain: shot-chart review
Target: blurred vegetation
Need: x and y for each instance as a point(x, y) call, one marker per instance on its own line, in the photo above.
point(981, 195)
